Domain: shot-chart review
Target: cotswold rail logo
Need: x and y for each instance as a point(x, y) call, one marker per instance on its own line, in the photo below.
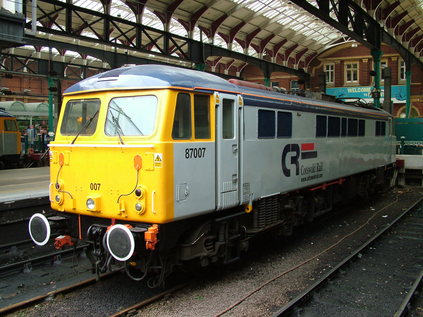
point(291, 156)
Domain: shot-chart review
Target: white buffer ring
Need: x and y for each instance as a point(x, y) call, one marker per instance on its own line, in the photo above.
point(129, 235)
point(45, 223)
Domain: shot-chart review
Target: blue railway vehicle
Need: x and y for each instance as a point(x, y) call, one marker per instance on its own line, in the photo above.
point(156, 166)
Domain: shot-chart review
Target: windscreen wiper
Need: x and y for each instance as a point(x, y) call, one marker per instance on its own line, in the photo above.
point(120, 111)
point(85, 126)
point(118, 128)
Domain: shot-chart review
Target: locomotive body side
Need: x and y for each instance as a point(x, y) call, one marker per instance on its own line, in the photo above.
point(298, 156)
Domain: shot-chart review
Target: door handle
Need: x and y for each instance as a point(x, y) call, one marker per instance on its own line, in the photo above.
point(234, 148)
point(234, 178)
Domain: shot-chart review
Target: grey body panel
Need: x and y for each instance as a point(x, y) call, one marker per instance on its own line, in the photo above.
point(8, 144)
point(194, 179)
point(227, 153)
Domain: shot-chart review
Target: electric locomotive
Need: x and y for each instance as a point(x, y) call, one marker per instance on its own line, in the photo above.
point(156, 166)
point(10, 139)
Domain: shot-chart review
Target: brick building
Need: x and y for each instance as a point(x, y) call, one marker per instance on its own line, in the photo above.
point(347, 70)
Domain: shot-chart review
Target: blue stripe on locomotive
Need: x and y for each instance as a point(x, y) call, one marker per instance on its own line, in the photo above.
point(5, 114)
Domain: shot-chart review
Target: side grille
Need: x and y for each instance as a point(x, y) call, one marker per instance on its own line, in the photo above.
point(267, 212)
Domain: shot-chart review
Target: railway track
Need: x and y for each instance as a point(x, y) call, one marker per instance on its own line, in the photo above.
point(123, 286)
point(17, 250)
point(391, 261)
point(14, 217)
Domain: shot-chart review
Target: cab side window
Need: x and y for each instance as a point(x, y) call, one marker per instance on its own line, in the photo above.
point(10, 125)
point(202, 116)
point(182, 120)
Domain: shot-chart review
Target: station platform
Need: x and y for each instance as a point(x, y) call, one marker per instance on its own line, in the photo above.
point(23, 184)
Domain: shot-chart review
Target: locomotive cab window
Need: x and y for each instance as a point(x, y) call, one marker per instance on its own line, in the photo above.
point(202, 116)
point(80, 117)
point(131, 116)
point(182, 123)
point(182, 120)
point(10, 125)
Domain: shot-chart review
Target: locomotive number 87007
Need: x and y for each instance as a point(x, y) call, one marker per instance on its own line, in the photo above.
point(157, 166)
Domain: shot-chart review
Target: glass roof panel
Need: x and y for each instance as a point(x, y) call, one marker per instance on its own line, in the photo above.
point(292, 18)
point(89, 4)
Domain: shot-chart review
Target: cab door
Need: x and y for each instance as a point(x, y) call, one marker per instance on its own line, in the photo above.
point(227, 151)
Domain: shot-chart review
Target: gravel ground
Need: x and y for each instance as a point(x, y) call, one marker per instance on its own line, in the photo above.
point(210, 296)
point(215, 290)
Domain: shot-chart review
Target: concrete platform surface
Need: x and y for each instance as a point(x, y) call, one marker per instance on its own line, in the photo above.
point(24, 183)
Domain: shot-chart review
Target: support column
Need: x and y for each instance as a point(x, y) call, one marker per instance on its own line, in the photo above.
point(387, 98)
point(51, 88)
point(267, 81)
point(377, 54)
point(200, 67)
point(407, 91)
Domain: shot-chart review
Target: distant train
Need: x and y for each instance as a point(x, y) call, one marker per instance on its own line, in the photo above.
point(157, 166)
point(10, 139)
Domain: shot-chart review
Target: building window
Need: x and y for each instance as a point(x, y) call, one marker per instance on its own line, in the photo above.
point(329, 73)
point(351, 73)
point(401, 72)
point(294, 85)
point(414, 112)
point(383, 64)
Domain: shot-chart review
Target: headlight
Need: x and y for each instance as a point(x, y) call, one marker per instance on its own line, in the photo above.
point(90, 203)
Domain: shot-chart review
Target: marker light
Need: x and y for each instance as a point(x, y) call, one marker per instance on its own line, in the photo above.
point(138, 207)
point(61, 159)
point(90, 203)
point(137, 162)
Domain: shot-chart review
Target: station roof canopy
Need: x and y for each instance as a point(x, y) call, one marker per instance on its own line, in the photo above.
point(272, 28)
point(251, 26)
